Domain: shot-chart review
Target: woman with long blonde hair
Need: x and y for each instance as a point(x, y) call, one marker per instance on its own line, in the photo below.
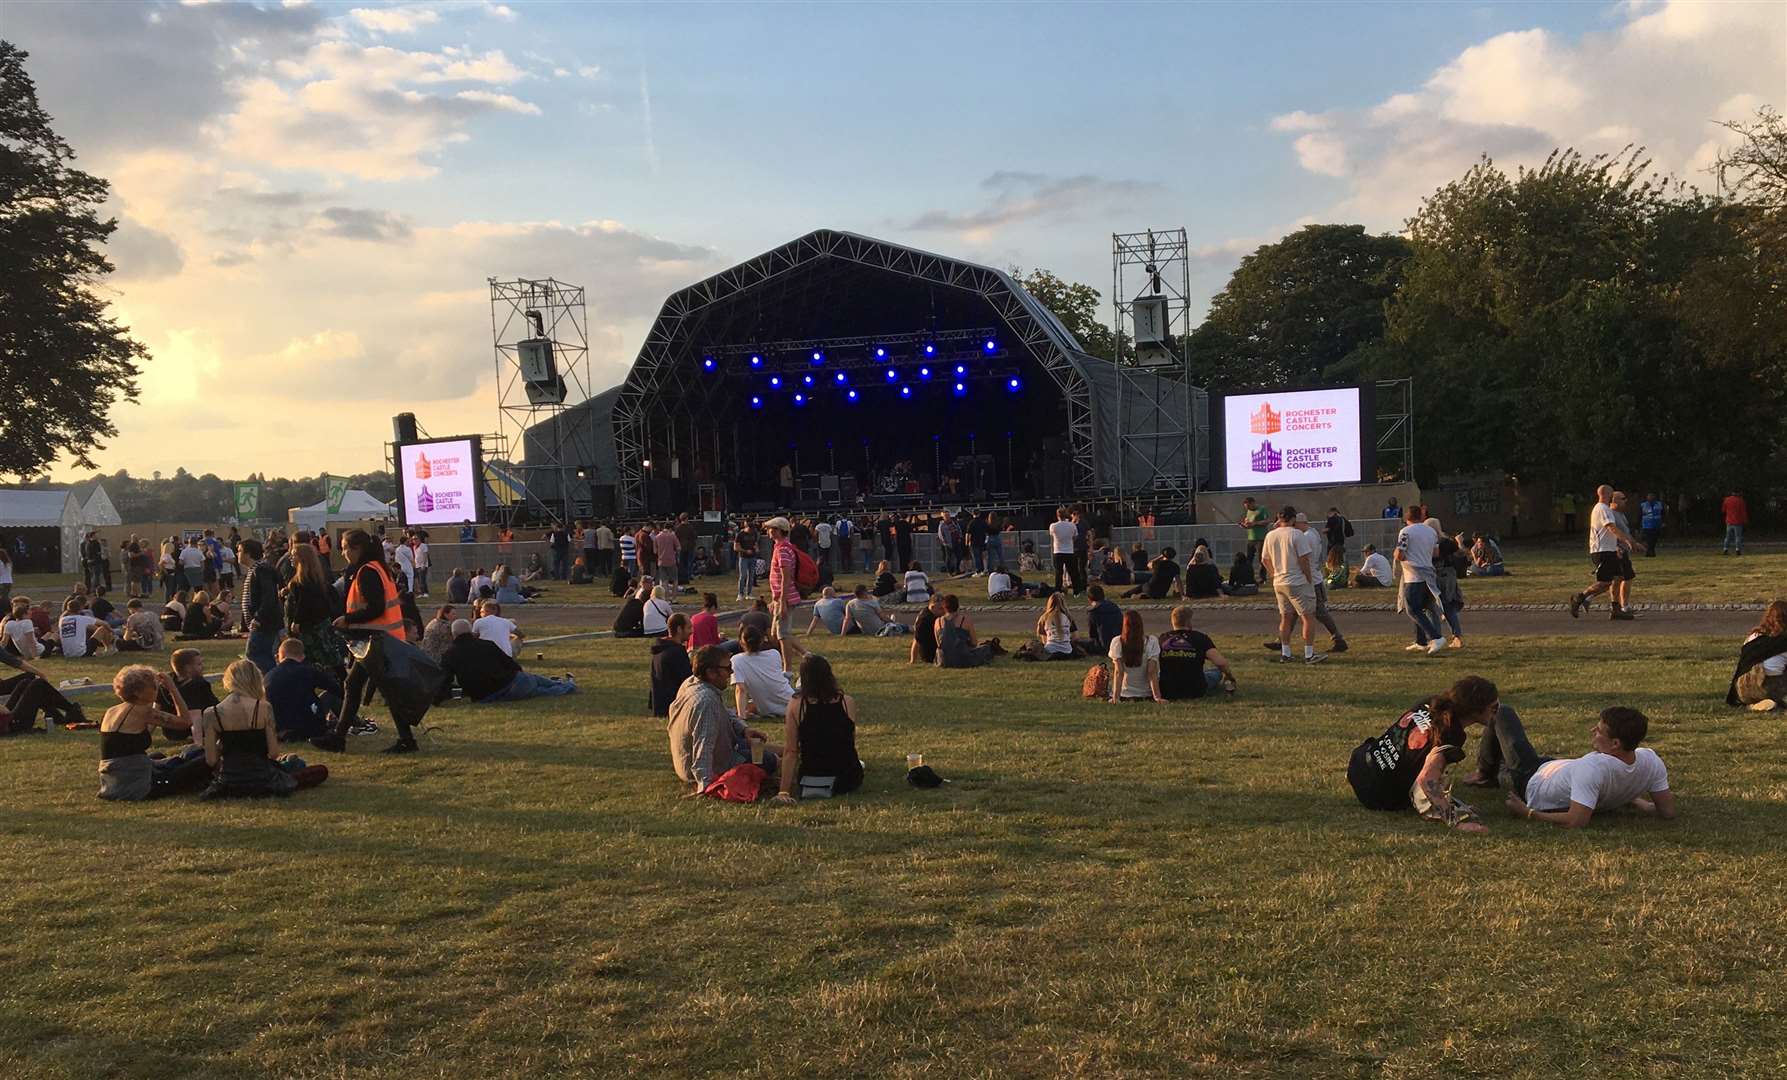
point(1055, 627)
point(241, 745)
point(311, 605)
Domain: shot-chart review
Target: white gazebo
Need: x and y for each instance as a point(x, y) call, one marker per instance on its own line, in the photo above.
point(45, 518)
point(356, 506)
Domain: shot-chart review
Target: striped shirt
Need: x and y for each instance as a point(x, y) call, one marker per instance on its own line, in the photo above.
point(629, 548)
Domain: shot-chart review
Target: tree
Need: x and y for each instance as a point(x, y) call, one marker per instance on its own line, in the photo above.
point(1296, 309)
point(1755, 170)
point(1076, 305)
point(63, 360)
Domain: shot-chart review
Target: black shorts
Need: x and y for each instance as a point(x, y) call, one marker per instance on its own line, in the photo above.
point(1607, 566)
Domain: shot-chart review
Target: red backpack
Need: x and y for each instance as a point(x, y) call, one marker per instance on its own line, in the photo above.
point(806, 573)
point(741, 783)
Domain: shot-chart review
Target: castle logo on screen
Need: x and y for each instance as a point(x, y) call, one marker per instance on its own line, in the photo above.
point(438, 468)
point(1266, 459)
point(1265, 422)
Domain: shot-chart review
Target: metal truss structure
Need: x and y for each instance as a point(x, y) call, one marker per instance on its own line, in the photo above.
point(530, 309)
point(857, 351)
point(1158, 439)
point(1395, 430)
point(667, 402)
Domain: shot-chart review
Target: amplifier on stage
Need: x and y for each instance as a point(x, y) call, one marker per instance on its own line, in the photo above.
point(809, 488)
point(828, 489)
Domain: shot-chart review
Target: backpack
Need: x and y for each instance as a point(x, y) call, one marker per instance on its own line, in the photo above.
point(806, 573)
point(1348, 522)
point(741, 783)
point(1097, 684)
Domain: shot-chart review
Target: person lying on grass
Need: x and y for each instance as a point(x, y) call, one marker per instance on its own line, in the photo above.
point(125, 771)
point(706, 739)
point(1405, 767)
point(488, 674)
point(1567, 791)
point(820, 736)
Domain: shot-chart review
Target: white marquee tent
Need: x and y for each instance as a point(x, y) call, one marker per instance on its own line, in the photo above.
point(356, 505)
point(34, 509)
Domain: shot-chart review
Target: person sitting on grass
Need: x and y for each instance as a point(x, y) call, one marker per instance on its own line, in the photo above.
point(29, 693)
point(863, 615)
point(492, 627)
point(1055, 629)
point(459, 587)
point(1000, 586)
point(1405, 767)
point(1203, 581)
point(438, 634)
point(1566, 792)
point(186, 667)
point(20, 632)
point(829, 609)
point(1242, 581)
point(142, 630)
point(202, 621)
point(1163, 578)
point(82, 634)
point(303, 696)
point(1135, 662)
point(924, 633)
point(1374, 571)
point(956, 643)
point(819, 734)
point(655, 617)
point(705, 739)
point(917, 587)
point(242, 743)
point(670, 664)
point(759, 676)
point(1760, 680)
point(1104, 620)
point(1486, 557)
point(630, 621)
point(1334, 571)
point(704, 625)
point(125, 771)
point(885, 585)
point(488, 674)
point(1183, 654)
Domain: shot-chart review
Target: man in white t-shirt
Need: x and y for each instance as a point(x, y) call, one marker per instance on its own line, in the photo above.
point(192, 564)
point(822, 537)
point(421, 561)
point(80, 633)
point(1609, 548)
point(1375, 570)
point(21, 633)
point(760, 685)
point(1567, 791)
point(1062, 535)
point(1419, 597)
point(1287, 556)
point(405, 557)
point(492, 627)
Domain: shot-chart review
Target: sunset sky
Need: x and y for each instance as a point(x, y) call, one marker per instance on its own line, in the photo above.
point(312, 195)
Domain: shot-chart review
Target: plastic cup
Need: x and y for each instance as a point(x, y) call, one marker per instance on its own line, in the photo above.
point(913, 761)
point(539, 656)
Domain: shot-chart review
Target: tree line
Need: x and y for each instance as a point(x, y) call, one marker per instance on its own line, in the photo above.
point(209, 498)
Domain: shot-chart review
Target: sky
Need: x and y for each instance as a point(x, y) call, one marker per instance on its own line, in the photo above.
point(311, 196)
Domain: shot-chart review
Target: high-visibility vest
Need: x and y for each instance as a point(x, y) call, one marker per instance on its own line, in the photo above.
point(391, 620)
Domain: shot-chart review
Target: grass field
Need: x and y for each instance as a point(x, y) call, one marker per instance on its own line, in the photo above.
point(1185, 890)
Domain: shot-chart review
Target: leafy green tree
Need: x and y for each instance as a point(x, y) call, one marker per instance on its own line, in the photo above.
point(1076, 305)
point(1755, 170)
point(63, 360)
point(1296, 309)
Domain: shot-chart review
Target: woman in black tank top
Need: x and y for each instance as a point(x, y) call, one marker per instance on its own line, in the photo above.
point(242, 745)
point(821, 733)
point(125, 771)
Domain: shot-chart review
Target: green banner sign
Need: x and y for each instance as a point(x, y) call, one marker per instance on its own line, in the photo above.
point(335, 488)
point(248, 501)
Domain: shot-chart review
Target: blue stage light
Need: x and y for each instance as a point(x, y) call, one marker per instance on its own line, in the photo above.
point(924, 372)
point(905, 391)
point(961, 388)
point(839, 376)
point(992, 345)
point(707, 362)
point(879, 353)
point(1013, 384)
point(851, 395)
point(775, 380)
point(961, 369)
point(800, 399)
point(756, 361)
point(818, 357)
point(930, 350)
point(808, 379)
point(756, 402)
point(892, 374)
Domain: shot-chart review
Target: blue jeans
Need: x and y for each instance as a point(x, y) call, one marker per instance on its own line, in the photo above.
point(685, 567)
point(747, 575)
point(561, 564)
point(260, 648)
point(1734, 538)
point(526, 684)
point(1416, 596)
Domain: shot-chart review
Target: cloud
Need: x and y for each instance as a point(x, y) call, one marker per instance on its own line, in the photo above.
point(351, 223)
point(501, 11)
point(503, 102)
point(645, 111)
point(1658, 79)
point(1027, 196)
point(395, 20)
point(143, 254)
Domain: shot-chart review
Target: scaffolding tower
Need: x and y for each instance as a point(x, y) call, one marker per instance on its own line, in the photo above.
point(550, 477)
point(1157, 432)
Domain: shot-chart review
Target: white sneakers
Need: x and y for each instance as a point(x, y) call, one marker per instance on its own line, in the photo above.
point(1436, 646)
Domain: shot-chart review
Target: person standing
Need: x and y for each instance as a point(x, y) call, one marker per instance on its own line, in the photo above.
point(666, 548)
point(628, 545)
point(1622, 589)
point(586, 542)
point(1336, 529)
point(192, 564)
point(784, 571)
point(1737, 515)
point(558, 540)
point(1253, 525)
point(843, 535)
point(1061, 540)
point(262, 612)
point(744, 543)
point(822, 537)
point(404, 558)
point(1313, 546)
point(1285, 555)
point(421, 560)
point(686, 540)
point(1606, 537)
point(1650, 523)
point(1418, 585)
point(785, 482)
point(604, 550)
